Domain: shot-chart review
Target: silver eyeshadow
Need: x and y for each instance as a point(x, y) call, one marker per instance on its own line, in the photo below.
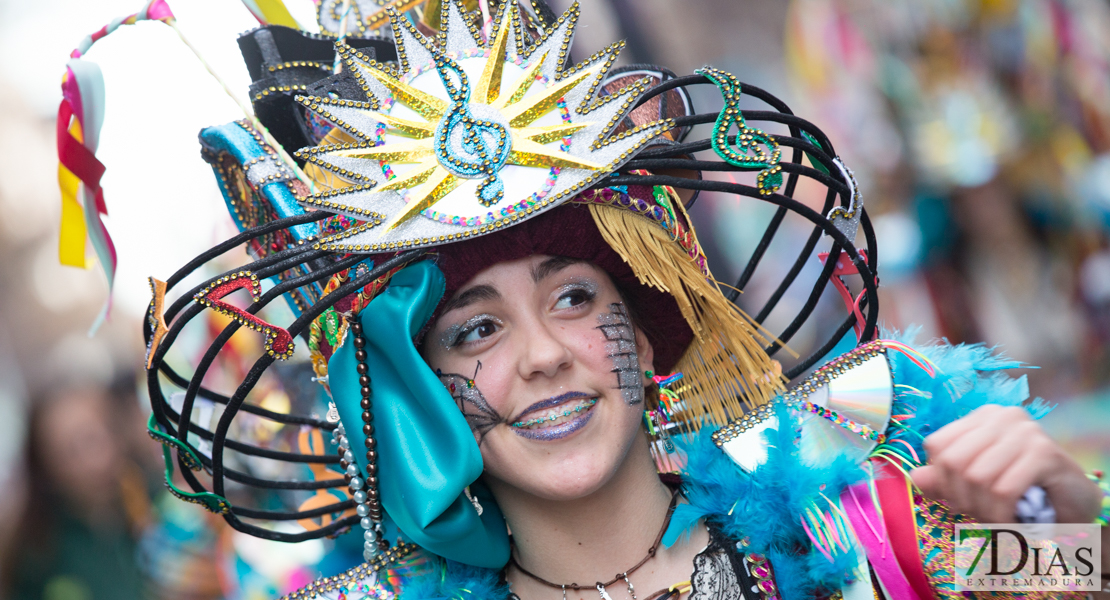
point(581, 285)
point(451, 334)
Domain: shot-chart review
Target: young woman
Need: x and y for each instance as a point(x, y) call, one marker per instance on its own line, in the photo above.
point(537, 386)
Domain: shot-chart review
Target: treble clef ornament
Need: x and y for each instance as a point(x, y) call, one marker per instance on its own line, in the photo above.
point(472, 140)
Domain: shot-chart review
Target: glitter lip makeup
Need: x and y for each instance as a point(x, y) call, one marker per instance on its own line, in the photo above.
point(578, 412)
point(549, 402)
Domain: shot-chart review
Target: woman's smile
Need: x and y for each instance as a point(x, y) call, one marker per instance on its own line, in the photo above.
point(555, 418)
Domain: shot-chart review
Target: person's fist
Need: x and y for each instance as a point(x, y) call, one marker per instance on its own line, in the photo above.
point(983, 463)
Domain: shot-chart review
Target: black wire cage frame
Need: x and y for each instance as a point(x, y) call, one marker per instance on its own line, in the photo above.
point(315, 266)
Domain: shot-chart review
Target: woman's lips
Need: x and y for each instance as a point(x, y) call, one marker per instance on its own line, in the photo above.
point(557, 417)
point(550, 402)
point(554, 432)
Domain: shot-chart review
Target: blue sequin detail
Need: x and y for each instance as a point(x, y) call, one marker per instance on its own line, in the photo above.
point(468, 146)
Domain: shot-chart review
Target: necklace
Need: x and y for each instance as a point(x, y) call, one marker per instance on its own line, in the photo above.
point(619, 576)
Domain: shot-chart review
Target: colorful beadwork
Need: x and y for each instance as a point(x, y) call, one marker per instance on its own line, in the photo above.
point(857, 428)
point(327, 331)
point(357, 577)
point(752, 148)
point(279, 344)
point(760, 568)
point(633, 200)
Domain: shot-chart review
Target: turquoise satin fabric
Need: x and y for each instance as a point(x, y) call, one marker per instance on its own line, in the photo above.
point(426, 450)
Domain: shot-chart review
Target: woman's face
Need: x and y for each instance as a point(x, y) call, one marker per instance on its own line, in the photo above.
point(549, 371)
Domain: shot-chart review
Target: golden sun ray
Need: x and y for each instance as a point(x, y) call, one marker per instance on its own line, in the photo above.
point(488, 87)
point(550, 133)
point(426, 105)
point(405, 127)
point(402, 152)
point(431, 191)
point(522, 85)
point(413, 178)
point(527, 153)
point(528, 110)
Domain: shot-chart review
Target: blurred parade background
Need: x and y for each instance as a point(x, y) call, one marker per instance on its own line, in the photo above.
point(978, 130)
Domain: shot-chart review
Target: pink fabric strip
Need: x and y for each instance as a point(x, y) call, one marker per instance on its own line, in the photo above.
point(862, 513)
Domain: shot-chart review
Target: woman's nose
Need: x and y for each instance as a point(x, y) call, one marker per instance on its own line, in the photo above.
point(543, 353)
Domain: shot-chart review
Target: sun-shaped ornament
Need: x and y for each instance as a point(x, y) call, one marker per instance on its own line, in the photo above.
point(470, 136)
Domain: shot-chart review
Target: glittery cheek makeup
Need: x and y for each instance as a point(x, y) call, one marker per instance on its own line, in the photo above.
point(620, 346)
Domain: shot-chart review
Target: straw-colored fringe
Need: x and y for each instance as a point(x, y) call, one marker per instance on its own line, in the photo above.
point(725, 366)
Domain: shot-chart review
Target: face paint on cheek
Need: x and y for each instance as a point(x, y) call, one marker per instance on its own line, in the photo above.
point(478, 413)
point(620, 345)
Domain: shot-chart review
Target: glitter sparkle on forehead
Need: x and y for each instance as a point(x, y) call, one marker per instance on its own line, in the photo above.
point(469, 136)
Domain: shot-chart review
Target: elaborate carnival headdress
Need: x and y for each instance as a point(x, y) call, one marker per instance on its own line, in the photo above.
point(373, 153)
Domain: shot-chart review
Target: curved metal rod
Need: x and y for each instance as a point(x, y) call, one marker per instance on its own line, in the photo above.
point(265, 360)
point(221, 340)
point(867, 274)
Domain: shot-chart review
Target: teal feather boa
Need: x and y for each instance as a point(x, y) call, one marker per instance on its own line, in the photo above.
point(764, 508)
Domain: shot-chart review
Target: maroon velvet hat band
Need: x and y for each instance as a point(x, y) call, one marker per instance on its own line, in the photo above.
point(570, 231)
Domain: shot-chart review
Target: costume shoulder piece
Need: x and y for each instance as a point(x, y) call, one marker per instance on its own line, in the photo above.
point(825, 469)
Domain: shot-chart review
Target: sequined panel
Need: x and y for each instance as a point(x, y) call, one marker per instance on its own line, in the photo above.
point(936, 531)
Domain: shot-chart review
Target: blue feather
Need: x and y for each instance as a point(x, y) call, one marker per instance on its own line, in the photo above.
point(764, 508)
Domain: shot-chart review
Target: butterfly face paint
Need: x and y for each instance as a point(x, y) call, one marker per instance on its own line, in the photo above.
point(620, 345)
point(481, 417)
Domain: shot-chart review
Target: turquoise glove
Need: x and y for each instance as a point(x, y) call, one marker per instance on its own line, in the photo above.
point(426, 451)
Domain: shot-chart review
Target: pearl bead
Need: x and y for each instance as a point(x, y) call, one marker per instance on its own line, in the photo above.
point(349, 456)
point(362, 510)
point(360, 497)
point(366, 523)
point(370, 536)
point(352, 470)
point(356, 484)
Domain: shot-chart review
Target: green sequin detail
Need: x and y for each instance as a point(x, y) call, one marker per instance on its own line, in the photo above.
point(752, 148)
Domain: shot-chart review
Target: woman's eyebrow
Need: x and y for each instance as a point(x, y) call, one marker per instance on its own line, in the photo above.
point(470, 296)
point(551, 266)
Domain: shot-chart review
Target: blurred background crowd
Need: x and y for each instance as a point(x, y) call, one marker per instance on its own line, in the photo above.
point(978, 130)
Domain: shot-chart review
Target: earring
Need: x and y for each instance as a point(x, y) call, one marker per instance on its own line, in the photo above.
point(660, 421)
point(473, 500)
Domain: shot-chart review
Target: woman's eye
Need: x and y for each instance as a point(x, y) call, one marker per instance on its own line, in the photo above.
point(477, 332)
point(572, 298)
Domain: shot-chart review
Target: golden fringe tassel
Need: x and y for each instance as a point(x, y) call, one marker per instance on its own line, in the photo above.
point(725, 368)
